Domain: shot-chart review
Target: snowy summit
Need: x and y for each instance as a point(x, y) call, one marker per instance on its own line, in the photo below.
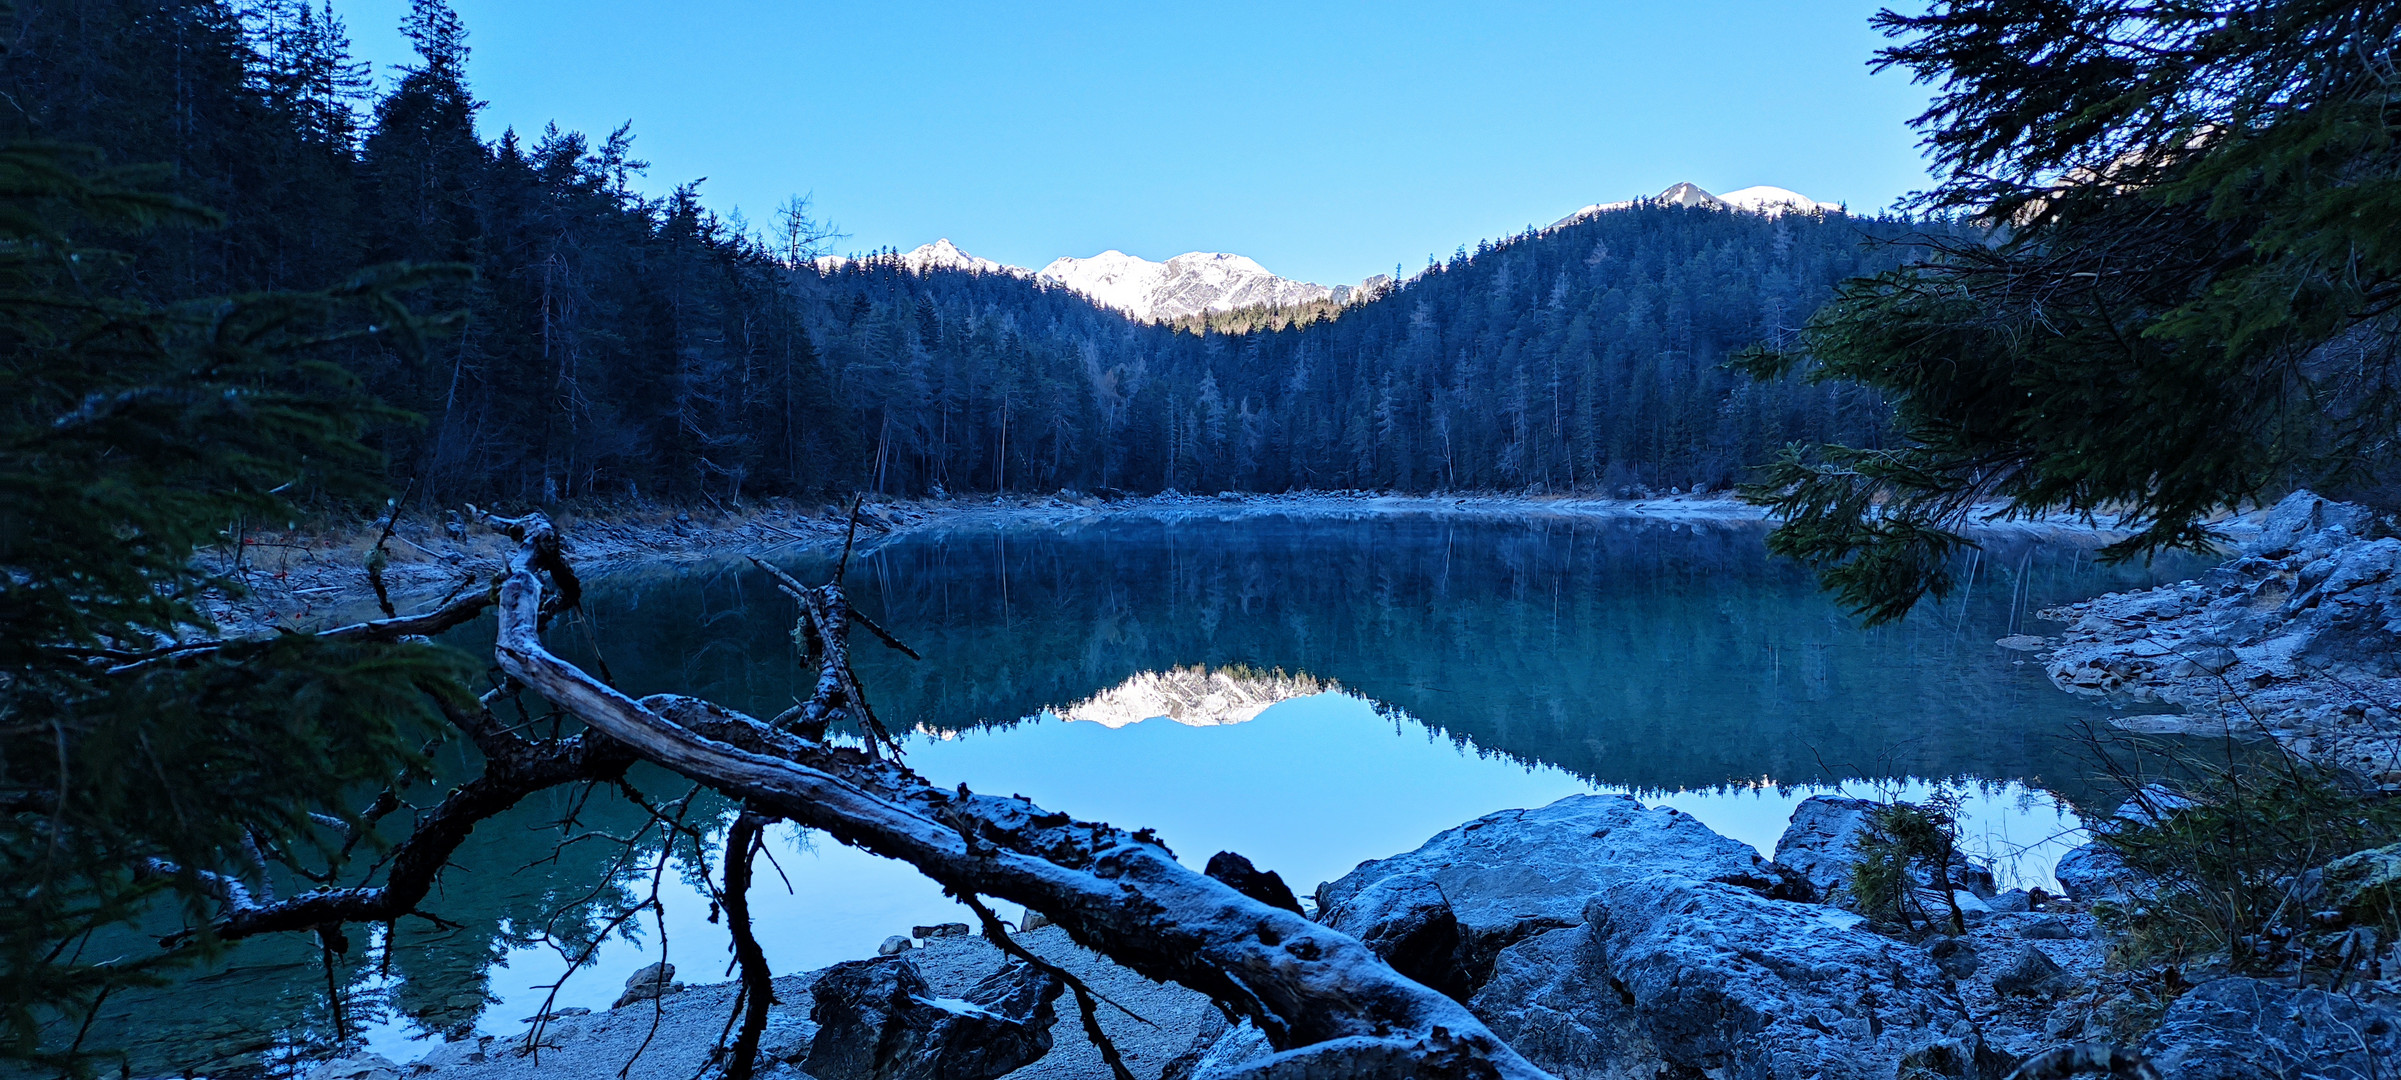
point(1762, 199)
point(1189, 284)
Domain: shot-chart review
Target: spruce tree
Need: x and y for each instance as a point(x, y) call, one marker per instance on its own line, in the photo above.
point(148, 766)
point(2186, 298)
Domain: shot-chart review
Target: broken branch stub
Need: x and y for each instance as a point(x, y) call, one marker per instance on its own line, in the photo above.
point(1326, 1002)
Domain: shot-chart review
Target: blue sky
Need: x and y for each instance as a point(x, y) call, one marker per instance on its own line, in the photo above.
point(1329, 141)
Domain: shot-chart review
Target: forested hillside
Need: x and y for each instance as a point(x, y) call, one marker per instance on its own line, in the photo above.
point(615, 345)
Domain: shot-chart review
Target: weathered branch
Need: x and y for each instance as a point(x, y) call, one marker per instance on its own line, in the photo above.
point(758, 983)
point(1322, 998)
point(517, 770)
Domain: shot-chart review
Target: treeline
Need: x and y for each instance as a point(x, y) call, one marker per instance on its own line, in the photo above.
point(618, 345)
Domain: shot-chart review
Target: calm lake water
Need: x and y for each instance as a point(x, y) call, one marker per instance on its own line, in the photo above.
point(1310, 693)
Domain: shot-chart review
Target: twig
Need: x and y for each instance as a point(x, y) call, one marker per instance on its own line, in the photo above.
point(999, 934)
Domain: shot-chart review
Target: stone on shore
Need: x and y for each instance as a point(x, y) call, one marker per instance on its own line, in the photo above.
point(651, 982)
point(878, 1020)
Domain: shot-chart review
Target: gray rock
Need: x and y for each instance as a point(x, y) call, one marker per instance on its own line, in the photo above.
point(1723, 981)
point(357, 1067)
point(2094, 872)
point(2032, 973)
point(1822, 845)
point(1954, 956)
point(877, 1020)
point(2300, 515)
point(474, 1050)
point(1407, 920)
point(940, 930)
point(655, 981)
point(2205, 660)
point(2011, 902)
point(2244, 1029)
point(894, 946)
point(1552, 999)
point(2046, 928)
point(1822, 841)
point(1671, 976)
point(1517, 873)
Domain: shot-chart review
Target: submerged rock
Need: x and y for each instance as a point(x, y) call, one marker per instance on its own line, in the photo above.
point(877, 1020)
point(2241, 1028)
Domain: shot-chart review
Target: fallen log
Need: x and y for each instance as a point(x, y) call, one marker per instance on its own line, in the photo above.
point(1327, 1003)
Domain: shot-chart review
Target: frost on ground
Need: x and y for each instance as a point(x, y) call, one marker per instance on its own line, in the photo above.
point(2297, 638)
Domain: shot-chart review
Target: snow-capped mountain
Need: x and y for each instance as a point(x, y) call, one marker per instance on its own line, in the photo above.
point(1189, 284)
point(1762, 199)
point(1193, 697)
point(939, 255)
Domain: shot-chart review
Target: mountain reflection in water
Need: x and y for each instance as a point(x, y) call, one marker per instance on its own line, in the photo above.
point(1339, 690)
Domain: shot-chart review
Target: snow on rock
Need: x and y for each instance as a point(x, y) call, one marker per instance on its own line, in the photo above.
point(1775, 200)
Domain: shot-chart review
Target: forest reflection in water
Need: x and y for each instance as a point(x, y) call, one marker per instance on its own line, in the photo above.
point(1341, 690)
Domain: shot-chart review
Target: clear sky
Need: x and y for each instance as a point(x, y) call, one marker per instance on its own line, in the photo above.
point(1329, 141)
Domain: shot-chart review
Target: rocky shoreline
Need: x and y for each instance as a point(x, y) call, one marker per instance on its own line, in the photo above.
point(2295, 639)
point(1602, 938)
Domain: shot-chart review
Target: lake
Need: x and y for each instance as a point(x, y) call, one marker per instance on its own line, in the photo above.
point(1309, 692)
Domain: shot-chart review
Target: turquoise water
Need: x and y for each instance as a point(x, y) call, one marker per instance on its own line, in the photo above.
point(1346, 689)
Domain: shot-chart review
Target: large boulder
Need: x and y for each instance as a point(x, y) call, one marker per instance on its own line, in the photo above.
point(652, 982)
point(2094, 872)
point(2245, 1029)
point(2293, 521)
point(1510, 875)
point(1408, 921)
point(1602, 938)
point(1822, 845)
point(878, 1020)
point(1672, 976)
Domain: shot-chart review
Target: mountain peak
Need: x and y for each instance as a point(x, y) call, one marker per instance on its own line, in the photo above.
point(1189, 284)
point(1770, 201)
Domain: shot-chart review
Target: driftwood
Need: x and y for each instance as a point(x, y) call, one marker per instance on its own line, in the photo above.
point(1328, 1004)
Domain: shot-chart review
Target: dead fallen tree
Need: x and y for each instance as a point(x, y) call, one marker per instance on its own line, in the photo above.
point(1327, 1003)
